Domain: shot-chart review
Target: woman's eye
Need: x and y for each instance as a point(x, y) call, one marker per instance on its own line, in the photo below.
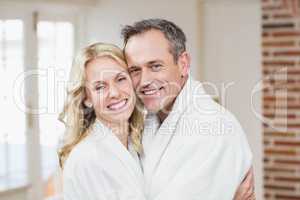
point(101, 87)
point(121, 79)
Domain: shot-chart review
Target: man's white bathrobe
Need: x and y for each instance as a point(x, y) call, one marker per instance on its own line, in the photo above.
point(199, 152)
point(101, 168)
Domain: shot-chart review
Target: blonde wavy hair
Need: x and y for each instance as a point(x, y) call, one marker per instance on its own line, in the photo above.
point(77, 117)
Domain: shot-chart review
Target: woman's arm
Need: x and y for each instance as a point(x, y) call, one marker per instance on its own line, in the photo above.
point(246, 189)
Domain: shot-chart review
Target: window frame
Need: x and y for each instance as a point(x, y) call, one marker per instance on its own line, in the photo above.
point(27, 13)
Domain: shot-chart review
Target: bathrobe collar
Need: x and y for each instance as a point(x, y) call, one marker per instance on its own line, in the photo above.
point(128, 157)
point(162, 136)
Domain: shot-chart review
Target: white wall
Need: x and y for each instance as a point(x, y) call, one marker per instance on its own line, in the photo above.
point(76, 2)
point(104, 22)
point(232, 53)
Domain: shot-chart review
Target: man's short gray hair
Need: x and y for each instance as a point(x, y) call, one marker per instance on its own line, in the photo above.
point(171, 31)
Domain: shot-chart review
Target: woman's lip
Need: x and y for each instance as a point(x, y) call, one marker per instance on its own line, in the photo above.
point(118, 105)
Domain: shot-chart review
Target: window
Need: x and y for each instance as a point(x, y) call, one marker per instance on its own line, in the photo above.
point(12, 136)
point(55, 54)
point(36, 43)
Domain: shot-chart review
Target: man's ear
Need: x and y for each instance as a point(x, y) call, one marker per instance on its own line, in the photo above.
point(184, 62)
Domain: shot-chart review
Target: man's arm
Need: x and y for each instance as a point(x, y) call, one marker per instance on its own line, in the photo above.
point(246, 190)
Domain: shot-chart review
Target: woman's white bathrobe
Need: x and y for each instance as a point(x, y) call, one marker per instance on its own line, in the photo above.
point(101, 168)
point(199, 152)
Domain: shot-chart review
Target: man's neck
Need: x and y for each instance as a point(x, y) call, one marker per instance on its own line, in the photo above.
point(162, 115)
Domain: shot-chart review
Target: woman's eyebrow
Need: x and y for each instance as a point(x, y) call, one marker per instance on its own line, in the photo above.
point(121, 73)
point(98, 82)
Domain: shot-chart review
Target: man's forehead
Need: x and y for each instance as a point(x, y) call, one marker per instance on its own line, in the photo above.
point(150, 37)
point(145, 49)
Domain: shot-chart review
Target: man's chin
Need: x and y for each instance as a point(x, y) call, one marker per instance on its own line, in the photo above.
point(152, 109)
point(152, 105)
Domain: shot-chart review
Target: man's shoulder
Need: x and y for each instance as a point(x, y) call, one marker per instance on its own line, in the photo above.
point(207, 117)
point(202, 107)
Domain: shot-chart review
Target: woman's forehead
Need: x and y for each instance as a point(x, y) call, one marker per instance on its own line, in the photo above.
point(104, 69)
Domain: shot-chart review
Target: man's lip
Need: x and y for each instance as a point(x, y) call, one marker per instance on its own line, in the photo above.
point(150, 91)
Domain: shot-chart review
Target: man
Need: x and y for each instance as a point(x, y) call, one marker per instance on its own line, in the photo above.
point(193, 147)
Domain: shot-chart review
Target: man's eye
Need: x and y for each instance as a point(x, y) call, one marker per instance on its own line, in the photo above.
point(133, 70)
point(156, 67)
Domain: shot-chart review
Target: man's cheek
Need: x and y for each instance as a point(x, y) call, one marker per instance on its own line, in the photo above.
point(140, 96)
point(135, 83)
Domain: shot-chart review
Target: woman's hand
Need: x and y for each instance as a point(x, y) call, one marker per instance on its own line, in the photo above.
point(246, 189)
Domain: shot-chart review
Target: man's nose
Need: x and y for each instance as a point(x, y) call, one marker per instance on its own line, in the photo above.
point(145, 79)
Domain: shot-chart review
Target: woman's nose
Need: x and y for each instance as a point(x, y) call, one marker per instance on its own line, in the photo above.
point(114, 91)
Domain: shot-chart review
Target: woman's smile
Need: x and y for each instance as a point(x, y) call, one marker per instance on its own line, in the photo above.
point(119, 105)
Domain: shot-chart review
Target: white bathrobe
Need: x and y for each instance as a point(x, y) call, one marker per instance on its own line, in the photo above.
point(101, 168)
point(199, 152)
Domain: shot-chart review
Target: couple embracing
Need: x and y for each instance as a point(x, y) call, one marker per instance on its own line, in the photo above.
point(138, 127)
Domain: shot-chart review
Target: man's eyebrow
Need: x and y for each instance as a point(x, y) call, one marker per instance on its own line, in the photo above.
point(148, 63)
point(133, 66)
point(154, 62)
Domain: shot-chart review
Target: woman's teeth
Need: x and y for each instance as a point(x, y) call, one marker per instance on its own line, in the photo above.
point(118, 105)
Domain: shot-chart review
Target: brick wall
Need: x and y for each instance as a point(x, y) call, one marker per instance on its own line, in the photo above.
point(281, 98)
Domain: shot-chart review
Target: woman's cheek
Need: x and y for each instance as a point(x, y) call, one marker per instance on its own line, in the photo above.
point(127, 87)
point(98, 101)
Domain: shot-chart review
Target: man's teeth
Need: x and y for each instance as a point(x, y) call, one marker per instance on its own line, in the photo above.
point(150, 92)
point(118, 105)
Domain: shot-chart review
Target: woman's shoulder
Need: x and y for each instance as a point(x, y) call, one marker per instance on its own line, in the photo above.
point(83, 153)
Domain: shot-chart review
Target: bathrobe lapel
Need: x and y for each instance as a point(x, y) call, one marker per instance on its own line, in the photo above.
point(163, 136)
point(129, 158)
point(200, 165)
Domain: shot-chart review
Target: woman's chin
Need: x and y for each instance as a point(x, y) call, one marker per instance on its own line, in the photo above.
point(118, 117)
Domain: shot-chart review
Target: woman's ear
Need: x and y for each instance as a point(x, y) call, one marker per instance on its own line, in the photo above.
point(88, 103)
point(184, 62)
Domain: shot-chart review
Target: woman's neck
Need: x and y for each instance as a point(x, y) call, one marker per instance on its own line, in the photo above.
point(122, 132)
point(120, 129)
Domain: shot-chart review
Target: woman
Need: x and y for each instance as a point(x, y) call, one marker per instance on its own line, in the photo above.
point(103, 129)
